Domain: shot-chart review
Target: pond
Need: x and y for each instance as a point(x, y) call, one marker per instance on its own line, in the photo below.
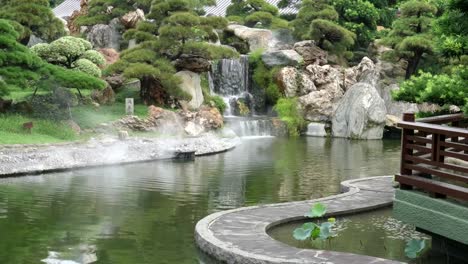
point(374, 233)
point(146, 213)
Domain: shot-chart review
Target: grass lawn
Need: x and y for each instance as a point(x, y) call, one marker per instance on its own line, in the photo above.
point(44, 131)
point(88, 117)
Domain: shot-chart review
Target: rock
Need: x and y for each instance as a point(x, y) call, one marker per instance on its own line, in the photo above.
point(391, 120)
point(106, 96)
point(192, 63)
point(242, 105)
point(130, 19)
point(123, 135)
point(318, 106)
point(191, 85)
point(360, 114)
point(134, 123)
point(281, 58)
point(165, 121)
point(210, 118)
point(294, 82)
point(279, 128)
point(105, 36)
point(193, 129)
point(311, 53)
point(155, 112)
point(257, 38)
point(110, 55)
point(33, 40)
point(115, 81)
point(74, 126)
point(366, 72)
point(133, 84)
point(316, 130)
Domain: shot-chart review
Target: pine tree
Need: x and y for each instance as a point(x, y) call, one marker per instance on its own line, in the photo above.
point(256, 12)
point(35, 16)
point(310, 10)
point(22, 69)
point(410, 35)
point(174, 31)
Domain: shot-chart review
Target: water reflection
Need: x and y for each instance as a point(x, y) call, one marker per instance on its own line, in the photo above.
point(145, 213)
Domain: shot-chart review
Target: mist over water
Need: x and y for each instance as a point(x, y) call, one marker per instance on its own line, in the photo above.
point(146, 213)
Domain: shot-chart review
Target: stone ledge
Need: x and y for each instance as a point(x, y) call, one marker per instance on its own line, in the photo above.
point(240, 235)
point(35, 159)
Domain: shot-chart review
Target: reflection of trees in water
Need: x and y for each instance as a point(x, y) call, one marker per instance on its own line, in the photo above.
point(145, 213)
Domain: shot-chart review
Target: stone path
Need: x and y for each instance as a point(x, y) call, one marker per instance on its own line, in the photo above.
point(240, 235)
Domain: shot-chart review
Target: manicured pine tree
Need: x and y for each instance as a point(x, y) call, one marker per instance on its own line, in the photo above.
point(411, 35)
point(173, 31)
point(22, 69)
point(35, 16)
point(310, 10)
point(253, 12)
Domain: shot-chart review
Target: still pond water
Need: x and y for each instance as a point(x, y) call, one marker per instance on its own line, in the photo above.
point(146, 213)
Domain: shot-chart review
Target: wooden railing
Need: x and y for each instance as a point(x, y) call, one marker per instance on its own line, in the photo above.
point(434, 156)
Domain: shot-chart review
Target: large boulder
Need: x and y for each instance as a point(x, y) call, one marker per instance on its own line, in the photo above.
point(191, 85)
point(281, 58)
point(319, 105)
point(294, 82)
point(105, 36)
point(361, 114)
point(257, 38)
point(311, 53)
point(130, 19)
point(115, 81)
point(192, 63)
point(106, 96)
point(110, 55)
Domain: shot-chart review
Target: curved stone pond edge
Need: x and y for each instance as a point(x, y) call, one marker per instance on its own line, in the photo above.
point(18, 160)
point(240, 235)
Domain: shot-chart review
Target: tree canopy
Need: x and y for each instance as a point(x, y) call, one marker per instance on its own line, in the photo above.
point(35, 16)
point(22, 69)
point(255, 12)
point(410, 36)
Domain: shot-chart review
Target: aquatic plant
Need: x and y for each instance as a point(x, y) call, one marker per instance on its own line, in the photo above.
point(414, 248)
point(312, 230)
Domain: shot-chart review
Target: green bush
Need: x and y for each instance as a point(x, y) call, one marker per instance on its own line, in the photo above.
point(288, 112)
point(441, 89)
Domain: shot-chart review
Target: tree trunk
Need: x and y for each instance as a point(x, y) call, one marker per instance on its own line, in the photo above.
point(152, 91)
point(413, 65)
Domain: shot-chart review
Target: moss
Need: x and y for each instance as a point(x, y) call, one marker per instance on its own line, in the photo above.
point(288, 112)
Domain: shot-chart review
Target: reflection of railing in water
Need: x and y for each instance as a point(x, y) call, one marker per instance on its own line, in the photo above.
point(434, 156)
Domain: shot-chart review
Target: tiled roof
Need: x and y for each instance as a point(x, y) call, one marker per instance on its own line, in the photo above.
point(68, 6)
point(220, 8)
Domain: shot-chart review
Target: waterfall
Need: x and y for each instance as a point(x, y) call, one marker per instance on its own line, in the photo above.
point(229, 78)
point(248, 127)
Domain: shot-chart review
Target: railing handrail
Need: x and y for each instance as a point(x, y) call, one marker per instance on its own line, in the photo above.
point(425, 145)
point(442, 119)
point(433, 128)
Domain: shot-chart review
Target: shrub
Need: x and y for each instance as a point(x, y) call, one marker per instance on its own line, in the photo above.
point(288, 112)
point(88, 67)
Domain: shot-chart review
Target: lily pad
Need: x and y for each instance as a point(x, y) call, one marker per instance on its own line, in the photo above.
point(317, 210)
point(301, 233)
point(325, 230)
point(414, 247)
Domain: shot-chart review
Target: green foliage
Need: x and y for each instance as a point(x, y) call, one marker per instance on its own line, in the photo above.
point(309, 11)
point(414, 247)
point(442, 89)
point(88, 67)
point(452, 30)
point(313, 231)
point(317, 210)
point(255, 12)
point(359, 17)
point(410, 35)
point(44, 131)
point(36, 17)
point(288, 112)
point(94, 56)
point(331, 36)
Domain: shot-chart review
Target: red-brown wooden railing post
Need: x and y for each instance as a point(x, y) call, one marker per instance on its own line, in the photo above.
point(408, 117)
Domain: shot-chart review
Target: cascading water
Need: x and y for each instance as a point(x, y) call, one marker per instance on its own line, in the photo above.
point(229, 78)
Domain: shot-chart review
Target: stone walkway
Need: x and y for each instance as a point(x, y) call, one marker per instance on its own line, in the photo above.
point(240, 235)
